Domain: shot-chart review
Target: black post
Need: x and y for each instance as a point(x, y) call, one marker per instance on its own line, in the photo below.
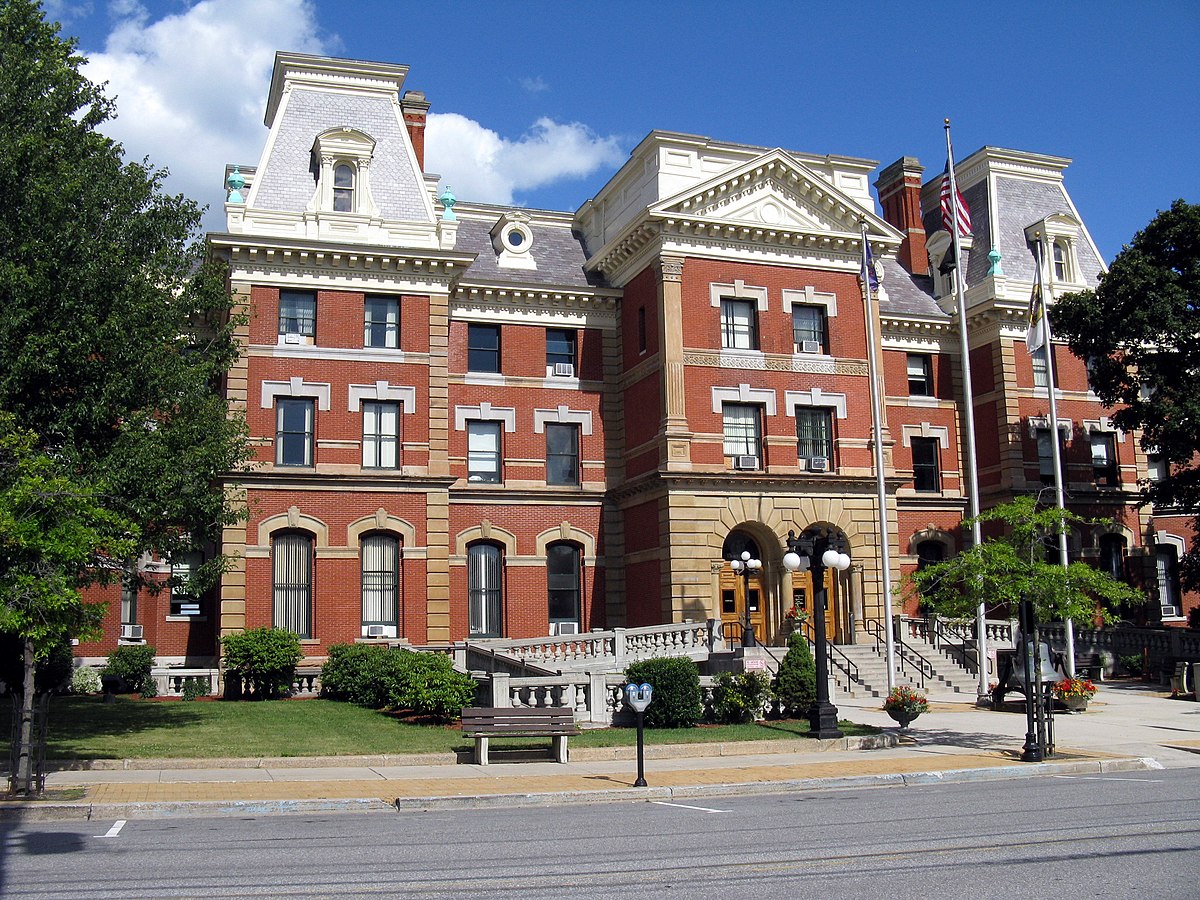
point(822, 715)
point(748, 639)
point(1032, 752)
point(641, 779)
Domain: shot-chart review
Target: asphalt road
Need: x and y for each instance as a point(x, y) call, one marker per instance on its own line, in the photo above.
point(1112, 836)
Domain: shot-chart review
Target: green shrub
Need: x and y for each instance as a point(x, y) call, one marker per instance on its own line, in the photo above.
point(429, 686)
point(132, 664)
point(363, 674)
point(85, 680)
point(676, 699)
point(738, 697)
point(264, 660)
point(1131, 663)
point(796, 681)
point(195, 687)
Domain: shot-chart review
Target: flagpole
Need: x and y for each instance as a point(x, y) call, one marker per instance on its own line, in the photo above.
point(972, 466)
point(1055, 448)
point(873, 348)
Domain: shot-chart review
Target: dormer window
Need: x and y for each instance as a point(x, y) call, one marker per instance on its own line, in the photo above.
point(343, 188)
point(343, 159)
point(512, 239)
point(1062, 267)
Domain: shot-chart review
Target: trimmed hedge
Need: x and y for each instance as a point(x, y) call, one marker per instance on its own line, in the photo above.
point(738, 697)
point(676, 702)
point(132, 663)
point(796, 681)
point(377, 677)
point(264, 660)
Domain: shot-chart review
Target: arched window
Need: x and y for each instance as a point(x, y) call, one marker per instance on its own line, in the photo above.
point(562, 571)
point(930, 552)
point(343, 188)
point(1112, 556)
point(292, 571)
point(485, 573)
point(1166, 561)
point(380, 580)
point(1061, 267)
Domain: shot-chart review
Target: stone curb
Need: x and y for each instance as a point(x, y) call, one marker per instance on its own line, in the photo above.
point(66, 812)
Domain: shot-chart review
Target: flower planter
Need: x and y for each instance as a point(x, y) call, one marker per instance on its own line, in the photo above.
point(1074, 704)
point(902, 716)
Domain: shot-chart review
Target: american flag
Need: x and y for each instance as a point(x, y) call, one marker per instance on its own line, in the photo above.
point(964, 214)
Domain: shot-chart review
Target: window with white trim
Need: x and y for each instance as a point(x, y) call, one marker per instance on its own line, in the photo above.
point(742, 430)
point(381, 322)
point(483, 452)
point(184, 600)
point(343, 188)
point(739, 325)
point(380, 579)
point(298, 313)
point(1061, 255)
point(808, 329)
point(926, 457)
point(560, 351)
point(381, 434)
point(563, 583)
point(1166, 562)
point(485, 581)
point(1104, 458)
point(293, 431)
point(562, 454)
point(291, 582)
point(814, 433)
point(920, 375)
point(129, 600)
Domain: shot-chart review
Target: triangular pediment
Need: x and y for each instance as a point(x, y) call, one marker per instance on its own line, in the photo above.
point(773, 191)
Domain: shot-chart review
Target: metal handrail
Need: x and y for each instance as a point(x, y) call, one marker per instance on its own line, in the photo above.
point(906, 654)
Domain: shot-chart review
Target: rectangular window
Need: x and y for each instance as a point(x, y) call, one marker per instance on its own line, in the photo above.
point(381, 435)
point(738, 327)
point(184, 602)
point(298, 312)
point(483, 452)
point(1104, 459)
point(814, 433)
point(129, 598)
point(1046, 457)
point(562, 454)
point(293, 431)
point(920, 375)
point(291, 575)
point(483, 348)
point(484, 597)
point(380, 579)
point(562, 576)
point(1166, 563)
point(1156, 467)
point(927, 474)
point(808, 329)
point(381, 326)
point(1041, 376)
point(743, 434)
point(560, 351)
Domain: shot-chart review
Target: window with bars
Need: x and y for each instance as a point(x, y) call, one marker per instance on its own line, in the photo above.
point(485, 571)
point(808, 329)
point(742, 429)
point(814, 433)
point(381, 322)
point(1104, 458)
point(562, 576)
point(381, 434)
point(298, 312)
point(739, 329)
point(920, 375)
point(292, 577)
point(380, 579)
point(483, 348)
point(562, 454)
point(293, 431)
point(927, 473)
point(483, 452)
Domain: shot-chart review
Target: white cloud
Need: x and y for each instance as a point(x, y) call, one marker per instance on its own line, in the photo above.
point(481, 165)
point(535, 85)
point(191, 88)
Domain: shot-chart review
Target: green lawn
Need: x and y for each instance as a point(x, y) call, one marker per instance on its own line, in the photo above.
point(87, 728)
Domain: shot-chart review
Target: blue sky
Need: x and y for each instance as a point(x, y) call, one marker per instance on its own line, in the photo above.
point(539, 102)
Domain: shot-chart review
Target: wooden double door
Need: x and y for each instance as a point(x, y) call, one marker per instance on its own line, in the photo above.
point(745, 598)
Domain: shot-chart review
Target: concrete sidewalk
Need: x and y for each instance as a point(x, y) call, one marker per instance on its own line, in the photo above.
point(1127, 727)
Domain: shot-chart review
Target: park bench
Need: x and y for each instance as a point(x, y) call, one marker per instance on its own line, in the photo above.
point(485, 723)
point(1089, 665)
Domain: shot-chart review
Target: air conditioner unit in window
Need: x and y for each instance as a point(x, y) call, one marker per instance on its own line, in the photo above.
point(745, 462)
point(810, 346)
point(818, 464)
point(566, 628)
point(376, 631)
point(565, 369)
point(131, 632)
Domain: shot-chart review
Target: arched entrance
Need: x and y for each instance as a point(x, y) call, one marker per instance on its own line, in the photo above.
point(741, 597)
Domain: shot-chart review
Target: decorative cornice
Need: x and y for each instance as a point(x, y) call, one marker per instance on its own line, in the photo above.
point(775, 363)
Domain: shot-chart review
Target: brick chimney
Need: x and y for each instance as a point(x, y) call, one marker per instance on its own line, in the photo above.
point(899, 187)
point(415, 109)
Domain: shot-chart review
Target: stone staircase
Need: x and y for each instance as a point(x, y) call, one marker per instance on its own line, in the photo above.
point(948, 679)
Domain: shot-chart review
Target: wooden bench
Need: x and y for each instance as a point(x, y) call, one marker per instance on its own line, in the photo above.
point(484, 723)
point(1090, 665)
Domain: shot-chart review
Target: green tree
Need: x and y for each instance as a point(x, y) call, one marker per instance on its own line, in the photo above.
point(115, 330)
point(56, 537)
point(1138, 330)
point(1003, 570)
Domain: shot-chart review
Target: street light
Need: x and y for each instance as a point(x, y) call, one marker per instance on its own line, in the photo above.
point(818, 550)
point(746, 567)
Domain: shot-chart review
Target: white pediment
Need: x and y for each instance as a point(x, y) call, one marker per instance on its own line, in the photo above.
point(773, 191)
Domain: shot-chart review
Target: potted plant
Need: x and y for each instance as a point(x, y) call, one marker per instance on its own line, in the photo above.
point(1074, 693)
point(904, 703)
point(795, 617)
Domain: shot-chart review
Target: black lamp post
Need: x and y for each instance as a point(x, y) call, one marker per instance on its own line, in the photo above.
point(746, 566)
point(818, 550)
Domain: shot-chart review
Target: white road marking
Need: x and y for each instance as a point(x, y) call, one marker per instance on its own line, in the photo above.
point(685, 806)
point(115, 830)
point(1110, 778)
